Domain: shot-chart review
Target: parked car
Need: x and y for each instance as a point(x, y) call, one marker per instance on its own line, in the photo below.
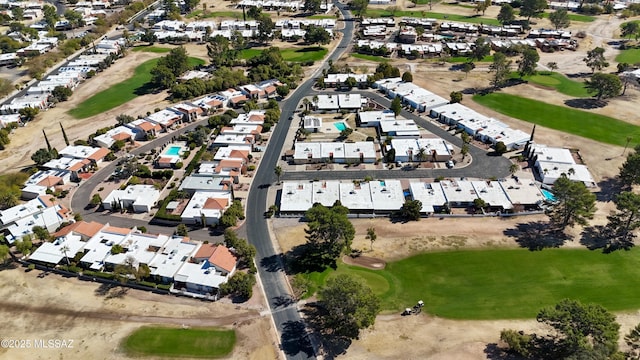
point(450, 164)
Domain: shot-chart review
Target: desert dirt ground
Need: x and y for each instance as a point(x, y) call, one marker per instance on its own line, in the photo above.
point(37, 305)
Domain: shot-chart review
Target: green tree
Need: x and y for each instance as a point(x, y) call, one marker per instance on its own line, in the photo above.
point(301, 285)
point(40, 233)
point(464, 150)
point(579, 332)
point(396, 105)
point(24, 246)
point(317, 35)
point(595, 59)
point(329, 233)
point(513, 169)
point(604, 86)
point(17, 12)
point(245, 251)
point(407, 76)
point(312, 6)
point(95, 200)
point(349, 306)
point(74, 18)
point(500, 148)
point(190, 5)
point(4, 253)
point(560, 18)
point(411, 209)
point(529, 62)
point(50, 16)
point(240, 285)
point(622, 223)
point(629, 29)
point(123, 119)
point(282, 90)
point(42, 156)
point(28, 113)
point(467, 67)
point(162, 77)
point(573, 204)
point(350, 82)
point(371, 236)
point(630, 170)
point(61, 93)
point(455, 97)
point(265, 28)
point(359, 7)
point(506, 14)
point(481, 50)
point(552, 65)
point(182, 230)
point(532, 8)
point(501, 68)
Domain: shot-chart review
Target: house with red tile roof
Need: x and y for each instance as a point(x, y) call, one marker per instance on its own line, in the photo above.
point(219, 256)
point(206, 207)
point(86, 230)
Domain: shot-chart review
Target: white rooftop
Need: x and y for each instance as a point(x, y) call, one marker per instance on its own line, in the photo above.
point(429, 194)
point(296, 196)
point(326, 192)
point(387, 195)
point(356, 197)
point(492, 193)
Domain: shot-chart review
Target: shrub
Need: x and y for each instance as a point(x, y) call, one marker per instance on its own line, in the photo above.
point(179, 165)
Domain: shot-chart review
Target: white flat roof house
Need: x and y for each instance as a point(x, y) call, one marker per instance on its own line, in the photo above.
point(52, 252)
point(99, 246)
point(405, 128)
point(325, 192)
point(194, 183)
point(312, 123)
point(327, 102)
point(492, 194)
point(20, 220)
point(551, 154)
point(307, 152)
point(207, 206)
point(373, 118)
point(296, 196)
point(350, 101)
point(429, 194)
point(140, 197)
point(361, 151)
point(166, 118)
point(552, 171)
point(522, 191)
point(458, 193)
point(171, 256)
point(110, 137)
point(356, 197)
point(386, 195)
point(424, 100)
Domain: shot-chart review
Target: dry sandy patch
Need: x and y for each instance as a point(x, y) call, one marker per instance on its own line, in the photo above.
point(53, 307)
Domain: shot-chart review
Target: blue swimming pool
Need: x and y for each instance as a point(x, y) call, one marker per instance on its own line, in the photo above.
point(548, 195)
point(173, 150)
point(340, 126)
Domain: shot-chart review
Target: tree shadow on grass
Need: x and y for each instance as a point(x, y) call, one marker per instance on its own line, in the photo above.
point(585, 103)
point(146, 89)
point(596, 237)
point(536, 235)
point(304, 258)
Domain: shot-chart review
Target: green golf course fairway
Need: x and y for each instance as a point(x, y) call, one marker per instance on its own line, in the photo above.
point(502, 284)
point(205, 343)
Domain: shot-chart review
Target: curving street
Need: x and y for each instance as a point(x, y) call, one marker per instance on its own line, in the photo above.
point(270, 268)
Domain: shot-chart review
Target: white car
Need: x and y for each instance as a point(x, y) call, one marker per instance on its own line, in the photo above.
point(450, 164)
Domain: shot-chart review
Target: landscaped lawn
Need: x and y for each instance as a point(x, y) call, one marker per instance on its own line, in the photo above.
point(575, 17)
point(370, 57)
point(503, 284)
point(120, 93)
point(629, 56)
point(217, 14)
point(179, 342)
point(557, 81)
point(312, 53)
point(582, 123)
point(153, 49)
point(464, 59)
point(426, 14)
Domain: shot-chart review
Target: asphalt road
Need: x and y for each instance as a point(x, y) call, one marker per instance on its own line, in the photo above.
point(288, 323)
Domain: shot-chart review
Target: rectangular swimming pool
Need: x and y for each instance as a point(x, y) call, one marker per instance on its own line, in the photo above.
point(173, 150)
point(340, 126)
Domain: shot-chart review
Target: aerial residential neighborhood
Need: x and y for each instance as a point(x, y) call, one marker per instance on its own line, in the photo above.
point(364, 179)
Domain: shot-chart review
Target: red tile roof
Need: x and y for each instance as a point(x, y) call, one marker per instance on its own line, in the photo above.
point(81, 227)
point(50, 181)
point(99, 154)
point(121, 136)
point(118, 230)
point(216, 203)
point(218, 255)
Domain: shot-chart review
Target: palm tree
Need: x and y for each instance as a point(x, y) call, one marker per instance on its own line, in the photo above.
point(306, 103)
point(278, 172)
point(64, 249)
point(372, 236)
point(315, 101)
